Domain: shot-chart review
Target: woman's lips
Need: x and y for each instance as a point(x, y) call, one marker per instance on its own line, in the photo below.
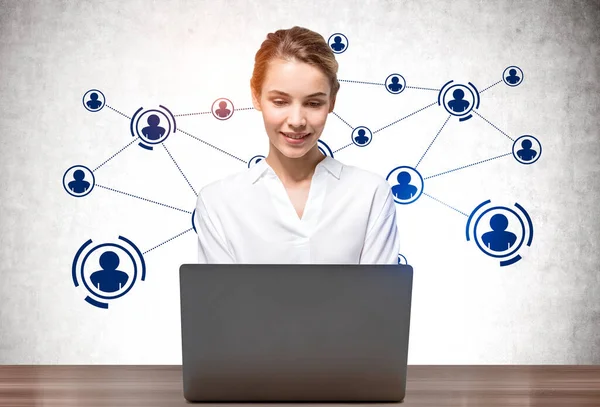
point(295, 134)
point(293, 140)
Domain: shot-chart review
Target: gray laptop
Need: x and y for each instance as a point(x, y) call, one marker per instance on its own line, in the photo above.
point(294, 332)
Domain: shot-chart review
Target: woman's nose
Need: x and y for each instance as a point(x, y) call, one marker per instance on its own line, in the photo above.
point(296, 117)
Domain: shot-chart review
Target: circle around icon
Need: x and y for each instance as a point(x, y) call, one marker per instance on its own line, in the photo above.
point(475, 234)
point(361, 131)
point(471, 101)
point(389, 81)
point(519, 72)
point(194, 220)
point(84, 169)
point(255, 160)
point(345, 42)
point(227, 104)
point(89, 92)
point(516, 145)
point(401, 258)
point(416, 196)
point(109, 297)
point(325, 149)
point(142, 136)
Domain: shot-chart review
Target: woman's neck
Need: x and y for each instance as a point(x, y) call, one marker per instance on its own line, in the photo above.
point(294, 171)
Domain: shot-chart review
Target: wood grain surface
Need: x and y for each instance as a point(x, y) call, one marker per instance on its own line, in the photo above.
point(436, 386)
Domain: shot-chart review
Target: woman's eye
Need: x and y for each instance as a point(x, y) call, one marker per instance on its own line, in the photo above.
point(282, 102)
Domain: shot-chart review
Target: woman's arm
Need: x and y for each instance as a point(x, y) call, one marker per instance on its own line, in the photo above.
point(212, 247)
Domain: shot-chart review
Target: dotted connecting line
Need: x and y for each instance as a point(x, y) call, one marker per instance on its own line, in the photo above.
point(469, 165)
point(416, 87)
point(493, 125)
point(342, 120)
point(341, 148)
point(350, 144)
point(216, 148)
point(421, 109)
point(122, 114)
point(490, 86)
point(180, 171)
point(191, 114)
point(383, 84)
point(366, 83)
point(143, 199)
point(194, 114)
point(114, 155)
point(435, 138)
point(174, 237)
point(451, 207)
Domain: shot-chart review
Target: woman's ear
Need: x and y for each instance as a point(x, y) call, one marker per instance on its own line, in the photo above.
point(255, 101)
point(332, 105)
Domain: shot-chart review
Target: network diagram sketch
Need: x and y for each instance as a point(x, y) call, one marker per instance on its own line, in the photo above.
point(109, 270)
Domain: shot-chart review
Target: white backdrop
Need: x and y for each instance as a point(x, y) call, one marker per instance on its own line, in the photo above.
point(186, 54)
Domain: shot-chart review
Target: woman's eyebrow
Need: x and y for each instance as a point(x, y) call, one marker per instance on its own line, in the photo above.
point(309, 96)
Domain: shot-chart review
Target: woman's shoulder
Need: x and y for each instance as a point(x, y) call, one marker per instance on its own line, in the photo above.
point(369, 187)
point(363, 177)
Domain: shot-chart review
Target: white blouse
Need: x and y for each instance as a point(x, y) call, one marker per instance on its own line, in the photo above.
point(349, 218)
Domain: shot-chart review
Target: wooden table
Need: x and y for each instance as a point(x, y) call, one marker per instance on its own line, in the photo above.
point(438, 386)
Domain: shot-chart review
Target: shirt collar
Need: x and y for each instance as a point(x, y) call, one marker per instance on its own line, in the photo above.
point(330, 164)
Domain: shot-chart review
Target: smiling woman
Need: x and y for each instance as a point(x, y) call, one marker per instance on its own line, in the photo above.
point(299, 206)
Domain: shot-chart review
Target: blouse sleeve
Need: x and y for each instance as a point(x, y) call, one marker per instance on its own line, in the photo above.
point(382, 241)
point(212, 247)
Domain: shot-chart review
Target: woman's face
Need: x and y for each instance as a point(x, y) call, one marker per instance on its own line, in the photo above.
point(295, 100)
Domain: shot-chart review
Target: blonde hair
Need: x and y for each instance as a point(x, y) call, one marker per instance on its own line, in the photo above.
point(297, 43)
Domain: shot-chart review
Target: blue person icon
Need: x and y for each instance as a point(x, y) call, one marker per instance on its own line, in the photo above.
point(153, 131)
point(361, 138)
point(458, 104)
point(395, 86)
point(337, 45)
point(109, 279)
point(512, 77)
point(222, 111)
point(526, 153)
point(404, 190)
point(94, 103)
point(78, 185)
point(499, 239)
